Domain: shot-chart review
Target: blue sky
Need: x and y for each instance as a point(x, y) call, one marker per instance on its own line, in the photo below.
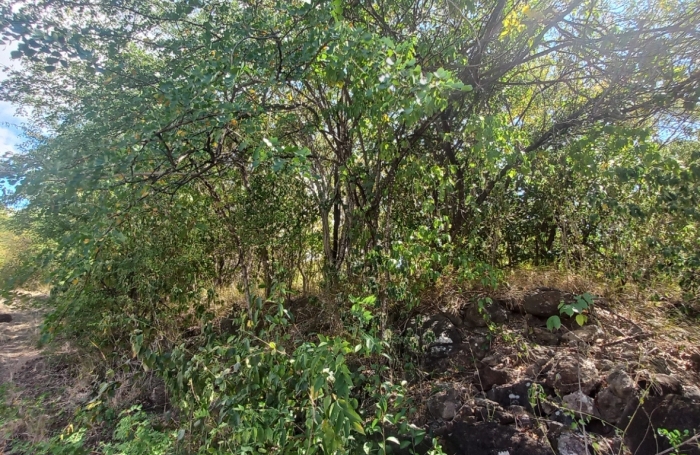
point(9, 134)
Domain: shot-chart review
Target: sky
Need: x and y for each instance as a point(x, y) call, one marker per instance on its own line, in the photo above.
point(9, 134)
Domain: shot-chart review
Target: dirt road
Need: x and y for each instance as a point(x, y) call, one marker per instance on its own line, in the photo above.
point(18, 339)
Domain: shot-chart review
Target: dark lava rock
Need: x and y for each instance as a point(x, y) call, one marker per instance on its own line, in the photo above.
point(495, 311)
point(695, 361)
point(489, 438)
point(4, 317)
point(489, 377)
point(671, 412)
point(438, 329)
point(544, 337)
point(517, 394)
point(545, 302)
point(444, 357)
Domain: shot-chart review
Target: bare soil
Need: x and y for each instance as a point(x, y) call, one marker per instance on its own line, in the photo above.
point(18, 340)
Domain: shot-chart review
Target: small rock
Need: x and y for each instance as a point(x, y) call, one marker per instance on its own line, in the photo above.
point(609, 405)
point(504, 417)
point(587, 334)
point(512, 394)
point(692, 392)
point(449, 411)
point(666, 385)
point(544, 337)
point(569, 374)
point(695, 361)
point(545, 302)
point(444, 405)
point(491, 360)
point(488, 377)
point(605, 365)
point(4, 317)
point(621, 384)
point(582, 404)
point(570, 443)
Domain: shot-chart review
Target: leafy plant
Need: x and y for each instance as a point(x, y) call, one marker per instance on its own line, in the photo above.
point(135, 435)
point(675, 438)
point(581, 304)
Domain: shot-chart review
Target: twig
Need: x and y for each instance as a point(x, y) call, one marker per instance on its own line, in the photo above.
point(631, 337)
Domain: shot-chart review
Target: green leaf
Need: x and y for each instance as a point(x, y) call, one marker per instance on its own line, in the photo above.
point(553, 323)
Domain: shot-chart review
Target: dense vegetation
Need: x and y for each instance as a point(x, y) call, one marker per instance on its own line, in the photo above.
point(183, 151)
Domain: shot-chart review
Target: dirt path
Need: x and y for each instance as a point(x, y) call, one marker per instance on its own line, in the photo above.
point(18, 340)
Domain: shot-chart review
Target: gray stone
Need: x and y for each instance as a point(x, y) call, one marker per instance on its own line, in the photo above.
point(621, 384)
point(609, 405)
point(580, 403)
point(605, 365)
point(569, 374)
point(445, 404)
point(692, 392)
point(491, 360)
point(587, 334)
point(570, 443)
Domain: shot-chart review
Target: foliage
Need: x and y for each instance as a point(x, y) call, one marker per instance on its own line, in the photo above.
point(357, 148)
point(675, 438)
point(248, 394)
point(135, 435)
point(582, 303)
